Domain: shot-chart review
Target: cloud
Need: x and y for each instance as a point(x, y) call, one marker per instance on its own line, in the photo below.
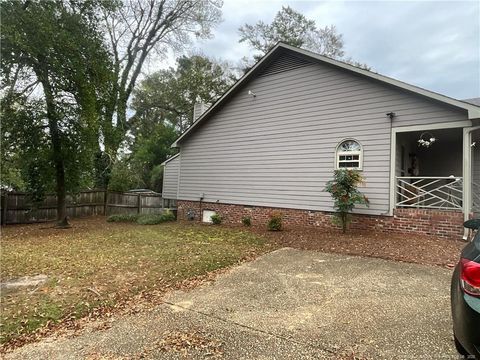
point(435, 45)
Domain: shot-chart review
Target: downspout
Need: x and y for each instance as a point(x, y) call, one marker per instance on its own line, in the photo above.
point(200, 215)
point(393, 162)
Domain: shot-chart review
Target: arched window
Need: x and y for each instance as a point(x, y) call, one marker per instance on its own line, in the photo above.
point(349, 155)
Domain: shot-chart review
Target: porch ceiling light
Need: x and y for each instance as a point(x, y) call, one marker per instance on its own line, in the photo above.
point(426, 139)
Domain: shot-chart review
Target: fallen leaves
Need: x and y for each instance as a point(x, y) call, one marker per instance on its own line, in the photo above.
point(99, 270)
point(192, 344)
point(186, 343)
point(428, 250)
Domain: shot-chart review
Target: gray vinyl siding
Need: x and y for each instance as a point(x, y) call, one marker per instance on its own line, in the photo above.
point(278, 149)
point(170, 179)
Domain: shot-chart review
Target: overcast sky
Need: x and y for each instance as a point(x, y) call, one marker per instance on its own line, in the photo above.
point(432, 44)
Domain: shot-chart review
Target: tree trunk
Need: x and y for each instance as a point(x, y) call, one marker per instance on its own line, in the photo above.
point(61, 191)
point(57, 153)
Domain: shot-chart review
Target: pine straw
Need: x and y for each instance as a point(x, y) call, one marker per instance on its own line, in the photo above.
point(427, 250)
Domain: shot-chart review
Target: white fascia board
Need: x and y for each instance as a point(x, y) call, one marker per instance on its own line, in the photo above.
point(170, 159)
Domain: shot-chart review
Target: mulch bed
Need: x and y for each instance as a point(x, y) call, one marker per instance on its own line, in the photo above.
point(428, 250)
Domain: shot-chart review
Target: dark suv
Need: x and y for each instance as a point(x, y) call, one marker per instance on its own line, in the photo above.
point(465, 297)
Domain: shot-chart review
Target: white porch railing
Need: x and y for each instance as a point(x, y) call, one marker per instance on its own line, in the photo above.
point(444, 193)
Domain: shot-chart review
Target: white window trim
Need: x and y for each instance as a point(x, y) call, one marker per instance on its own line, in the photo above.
point(340, 153)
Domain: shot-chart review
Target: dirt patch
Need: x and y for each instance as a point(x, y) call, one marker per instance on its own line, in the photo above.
point(428, 250)
point(23, 282)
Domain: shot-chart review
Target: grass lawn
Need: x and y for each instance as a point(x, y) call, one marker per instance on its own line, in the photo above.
point(96, 263)
point(99, 265)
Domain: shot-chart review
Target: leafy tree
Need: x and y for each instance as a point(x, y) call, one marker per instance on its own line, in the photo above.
point(163, 105)
point(344, 191)
point(156, 178)
point(141, 167)
point(10, 157)
point(136, 29)
point(11, 177)
point(55, 68)
point(293, 28)
point(25, 147)
point(149, 150)
point(124, 177)
point(168, 96)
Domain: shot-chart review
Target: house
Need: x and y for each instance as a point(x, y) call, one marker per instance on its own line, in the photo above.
point(273, 140)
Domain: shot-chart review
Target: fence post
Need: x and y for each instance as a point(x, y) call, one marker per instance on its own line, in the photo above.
point(4, 208)
point(139, 205)
point(105, 198)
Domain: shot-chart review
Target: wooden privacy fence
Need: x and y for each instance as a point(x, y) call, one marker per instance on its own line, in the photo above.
point(18, 208)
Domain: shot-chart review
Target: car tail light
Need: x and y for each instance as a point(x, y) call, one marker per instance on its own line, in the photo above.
point(470, 277)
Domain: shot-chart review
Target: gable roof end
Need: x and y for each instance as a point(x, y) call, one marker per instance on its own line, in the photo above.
point(170, 159)
point(472, 109)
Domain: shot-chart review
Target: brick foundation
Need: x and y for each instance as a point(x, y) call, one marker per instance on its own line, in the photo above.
point(440, 223)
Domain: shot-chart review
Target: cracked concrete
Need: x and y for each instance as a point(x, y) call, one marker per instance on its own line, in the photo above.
point(288, 304)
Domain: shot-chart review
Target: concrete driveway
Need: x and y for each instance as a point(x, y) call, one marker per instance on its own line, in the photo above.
point(288, 304)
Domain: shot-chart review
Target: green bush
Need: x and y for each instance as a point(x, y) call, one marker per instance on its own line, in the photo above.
point(168, 215)
point(216, 219)
point(153, 219)
point(344, 191)
point(122, 218)
point(246, 221)
point(143, 219)
point(149, 219)
point(275, 222)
